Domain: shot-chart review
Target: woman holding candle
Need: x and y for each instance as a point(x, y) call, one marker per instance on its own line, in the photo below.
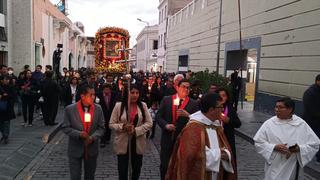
point(133, 127)
point(229, 118)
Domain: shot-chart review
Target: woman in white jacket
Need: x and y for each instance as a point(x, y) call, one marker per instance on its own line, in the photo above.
point(134, 125)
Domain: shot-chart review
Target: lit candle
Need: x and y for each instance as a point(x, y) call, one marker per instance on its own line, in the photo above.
point(87, 117)
point(149, 88)
point(176, 101)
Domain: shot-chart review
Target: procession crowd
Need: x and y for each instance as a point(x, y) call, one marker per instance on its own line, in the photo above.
point(197, 138)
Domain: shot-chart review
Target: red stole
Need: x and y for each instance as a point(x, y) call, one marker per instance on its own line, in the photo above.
point(133, 112)
point(174, 108)
point(86, 126)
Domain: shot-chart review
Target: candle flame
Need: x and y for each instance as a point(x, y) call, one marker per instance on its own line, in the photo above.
point(176, 101)
point(87, 117)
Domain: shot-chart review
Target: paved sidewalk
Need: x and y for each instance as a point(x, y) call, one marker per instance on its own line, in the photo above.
point(24, 145)
point(251, 122)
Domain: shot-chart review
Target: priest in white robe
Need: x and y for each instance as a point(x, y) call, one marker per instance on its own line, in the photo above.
point(286, 142)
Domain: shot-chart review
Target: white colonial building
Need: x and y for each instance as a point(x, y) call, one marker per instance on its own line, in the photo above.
point(280, 42)
point(36, 30)
point(147, 47)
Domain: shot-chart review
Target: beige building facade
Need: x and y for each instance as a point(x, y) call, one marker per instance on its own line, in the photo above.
point(280, 42)
point(37, 29)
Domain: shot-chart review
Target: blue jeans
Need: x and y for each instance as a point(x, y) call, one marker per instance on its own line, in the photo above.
point(5, 128)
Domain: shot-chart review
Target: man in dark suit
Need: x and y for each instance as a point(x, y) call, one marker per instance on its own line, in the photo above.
point(172, 116)
point(50, 93)
point(107, 102)
point(84, 124)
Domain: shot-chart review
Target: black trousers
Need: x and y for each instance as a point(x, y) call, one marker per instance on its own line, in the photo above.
point(75, 165)
point(107, 134)
point(153, 129)
point(28, 103)
point(167, 145)
point(136, 163)
point(50, 110)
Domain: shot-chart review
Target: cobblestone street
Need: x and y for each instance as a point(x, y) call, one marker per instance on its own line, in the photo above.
point(52, 162)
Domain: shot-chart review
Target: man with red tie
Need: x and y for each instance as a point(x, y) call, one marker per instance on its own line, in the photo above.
point(84, 124)
point(172, 116)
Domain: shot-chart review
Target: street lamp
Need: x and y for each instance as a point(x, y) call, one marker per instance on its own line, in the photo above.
point(148, 25)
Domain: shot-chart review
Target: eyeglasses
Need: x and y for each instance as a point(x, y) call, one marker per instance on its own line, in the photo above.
point(280, 107)
point(185, 87)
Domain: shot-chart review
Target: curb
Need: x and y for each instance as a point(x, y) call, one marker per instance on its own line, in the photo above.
point(47, 137)
point(309, 170)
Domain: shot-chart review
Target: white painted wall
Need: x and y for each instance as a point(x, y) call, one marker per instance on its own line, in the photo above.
point(289, 29)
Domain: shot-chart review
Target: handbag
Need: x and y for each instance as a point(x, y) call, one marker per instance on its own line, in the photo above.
point(3, 106)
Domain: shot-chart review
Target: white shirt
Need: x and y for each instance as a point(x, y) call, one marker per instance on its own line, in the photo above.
point(73, 91)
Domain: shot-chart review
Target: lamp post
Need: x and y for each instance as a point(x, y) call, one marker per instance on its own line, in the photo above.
point(147, 46)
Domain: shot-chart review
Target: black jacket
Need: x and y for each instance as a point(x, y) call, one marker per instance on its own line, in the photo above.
point(311, 106)
point(107, 111)
point(9, 99)
point(234, 122)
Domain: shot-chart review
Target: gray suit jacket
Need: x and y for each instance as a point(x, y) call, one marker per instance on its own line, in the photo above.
point(72, 126)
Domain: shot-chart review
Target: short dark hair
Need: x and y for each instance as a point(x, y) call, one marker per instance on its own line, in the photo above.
point(318, 77)
point(49, 74)
point(49, 67)
point(182, 81)
point(288, 102)
point(39, 66)
point(213, 84)
point(26, 67)
point(65, 68)
point(106, 85)
point(2, 66)
point(84, 89)
point(208, 101)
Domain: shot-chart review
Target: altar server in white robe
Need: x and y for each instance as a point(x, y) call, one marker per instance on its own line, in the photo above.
point(286, 142)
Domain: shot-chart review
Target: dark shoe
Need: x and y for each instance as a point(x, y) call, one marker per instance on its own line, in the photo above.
point(1, 139)
point(102, 145)
point(6, 140)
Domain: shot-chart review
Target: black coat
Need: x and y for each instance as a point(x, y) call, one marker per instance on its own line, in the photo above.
point(311, 103)
point(164, 117)
point(68, 95)
point(50, 91)
point(234, 122)
point(107, 111)
point(9, 113)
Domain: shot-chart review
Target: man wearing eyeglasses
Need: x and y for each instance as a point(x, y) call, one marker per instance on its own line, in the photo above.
point(172, 116)
point(202, 150)
point(286, 142)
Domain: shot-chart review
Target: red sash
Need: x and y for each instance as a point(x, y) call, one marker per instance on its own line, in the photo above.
point(174, 108)
point(86, 126)
point(133, 112)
